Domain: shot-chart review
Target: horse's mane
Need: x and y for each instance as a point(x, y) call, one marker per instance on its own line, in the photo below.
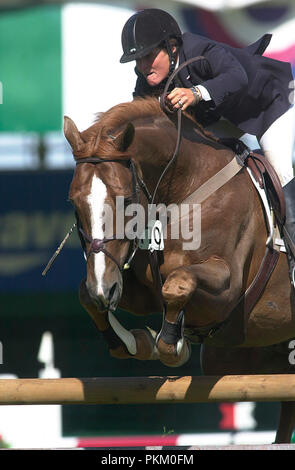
point(120, 114)
point(140, 109)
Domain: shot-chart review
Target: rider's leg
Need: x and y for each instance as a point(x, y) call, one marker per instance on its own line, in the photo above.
point(278, 144)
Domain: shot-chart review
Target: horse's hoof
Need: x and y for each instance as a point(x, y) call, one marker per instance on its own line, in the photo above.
point(170, 355)
point(145, 345)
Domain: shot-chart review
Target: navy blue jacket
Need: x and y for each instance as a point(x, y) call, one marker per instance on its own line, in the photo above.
point(249, 90)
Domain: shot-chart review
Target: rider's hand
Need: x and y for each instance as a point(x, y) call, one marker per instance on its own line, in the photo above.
point(181, 98)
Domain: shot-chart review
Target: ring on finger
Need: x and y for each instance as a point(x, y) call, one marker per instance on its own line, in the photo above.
point(180, 103)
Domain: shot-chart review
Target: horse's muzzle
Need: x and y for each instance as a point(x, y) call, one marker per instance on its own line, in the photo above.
point(106, 300)
point(98, 297)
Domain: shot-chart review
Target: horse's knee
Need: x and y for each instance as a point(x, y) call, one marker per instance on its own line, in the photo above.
point(177, 290)
point(145, 345)
point(178, 287)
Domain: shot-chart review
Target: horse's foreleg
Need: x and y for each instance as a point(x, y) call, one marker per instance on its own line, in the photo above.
point(100, 319)
point(145, 343)
point(174, 350)
point(180, 290)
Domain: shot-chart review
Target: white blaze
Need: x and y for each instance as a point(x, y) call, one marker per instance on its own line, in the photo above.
point(96, 201)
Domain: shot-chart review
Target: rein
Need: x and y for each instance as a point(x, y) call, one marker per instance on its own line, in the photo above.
point(153, 255)
point(167, 110)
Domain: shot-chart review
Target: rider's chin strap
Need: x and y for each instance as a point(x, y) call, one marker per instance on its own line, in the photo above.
point(172, 58)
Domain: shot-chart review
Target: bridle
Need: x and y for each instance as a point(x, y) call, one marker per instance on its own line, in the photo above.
point(99, 245)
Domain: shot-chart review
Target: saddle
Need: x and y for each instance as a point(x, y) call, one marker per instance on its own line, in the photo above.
point(268, 185)
point(263, 173)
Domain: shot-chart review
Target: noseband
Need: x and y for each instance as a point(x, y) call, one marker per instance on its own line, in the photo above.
point(98, 245)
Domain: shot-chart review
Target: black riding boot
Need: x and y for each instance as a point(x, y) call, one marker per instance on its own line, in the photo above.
point(289, 226)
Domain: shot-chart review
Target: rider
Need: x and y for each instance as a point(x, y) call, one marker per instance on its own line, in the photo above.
point(252, 92)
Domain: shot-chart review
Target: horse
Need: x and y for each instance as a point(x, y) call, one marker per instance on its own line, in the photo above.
point(199, 287)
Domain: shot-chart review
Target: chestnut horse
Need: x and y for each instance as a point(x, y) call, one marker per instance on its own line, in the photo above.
point(121, 157)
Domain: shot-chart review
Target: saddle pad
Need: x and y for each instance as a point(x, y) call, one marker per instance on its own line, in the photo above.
point(268, 179)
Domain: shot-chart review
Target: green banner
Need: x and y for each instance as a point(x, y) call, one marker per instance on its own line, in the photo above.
point(30, 70)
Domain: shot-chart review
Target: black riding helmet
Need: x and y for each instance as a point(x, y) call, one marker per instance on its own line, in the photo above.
point(146, 30)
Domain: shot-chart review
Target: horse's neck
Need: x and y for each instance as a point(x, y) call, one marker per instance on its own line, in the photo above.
point(196, 162)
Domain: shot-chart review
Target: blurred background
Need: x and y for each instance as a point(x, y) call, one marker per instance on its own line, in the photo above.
point(62, 58)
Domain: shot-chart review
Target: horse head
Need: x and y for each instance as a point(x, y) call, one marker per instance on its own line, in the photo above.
point(94, 190)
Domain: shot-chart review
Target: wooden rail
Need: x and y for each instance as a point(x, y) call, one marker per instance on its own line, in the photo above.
point(136, 390)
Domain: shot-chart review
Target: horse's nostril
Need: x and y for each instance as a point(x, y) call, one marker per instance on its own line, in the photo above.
point(112, 290)
point(102, 306)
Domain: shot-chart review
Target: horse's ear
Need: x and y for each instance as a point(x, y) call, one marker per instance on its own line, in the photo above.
point(123, 140)
point(72, 134)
